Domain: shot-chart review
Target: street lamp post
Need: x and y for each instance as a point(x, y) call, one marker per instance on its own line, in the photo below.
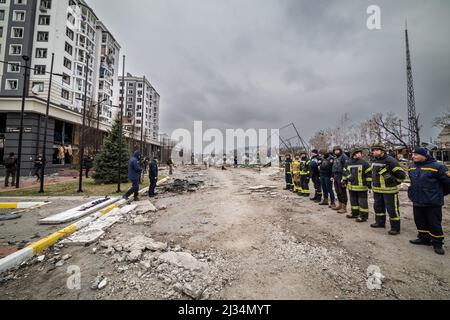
point(22, 113)
point(80, 183)
point(119, 164)
point(97, 136)
point(44, 147)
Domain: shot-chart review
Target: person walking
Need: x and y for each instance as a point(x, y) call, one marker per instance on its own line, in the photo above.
point(11, 169)
point(134, 175)
point(39, 163)
point(153, 177)
point(430, 183)
point(88, 164)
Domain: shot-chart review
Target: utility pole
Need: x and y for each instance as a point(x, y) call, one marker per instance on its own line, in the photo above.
point(22, 113)
point(119, 164)
point(143, 119)
point(80, 184)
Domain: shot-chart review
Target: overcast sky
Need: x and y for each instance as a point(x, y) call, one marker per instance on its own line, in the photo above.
point(264, 64)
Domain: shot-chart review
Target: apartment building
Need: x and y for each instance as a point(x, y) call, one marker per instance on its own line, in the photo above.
point(83, 49)
point(141, 106)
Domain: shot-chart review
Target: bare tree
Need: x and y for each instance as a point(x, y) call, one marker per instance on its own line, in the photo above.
point(322, 139)
point(389, 129)
point(443, 120)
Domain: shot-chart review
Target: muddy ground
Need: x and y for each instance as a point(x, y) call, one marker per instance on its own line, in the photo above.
point(248, 245)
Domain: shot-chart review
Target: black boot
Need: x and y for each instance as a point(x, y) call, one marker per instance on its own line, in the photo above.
point(376, 225)
point(393, 232)
point(421, 242)
point(439, 250)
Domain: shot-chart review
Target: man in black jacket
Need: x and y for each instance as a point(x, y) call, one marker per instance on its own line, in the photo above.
point(338, 174)
point(39, 164)
point(153, 177)
point(325, 170)
point(11, 169)
point(430, 183)
point(315, 175)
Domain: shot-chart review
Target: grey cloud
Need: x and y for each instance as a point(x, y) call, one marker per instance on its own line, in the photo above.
point(264, 64)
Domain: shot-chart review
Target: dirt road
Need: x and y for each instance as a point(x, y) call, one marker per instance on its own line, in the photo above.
point(256, 245)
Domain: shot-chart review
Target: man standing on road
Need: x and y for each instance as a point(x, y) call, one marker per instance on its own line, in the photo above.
point(387, 175)
point(134, 175)
point(288, 172)
point(338, 172)
point(295, 169)
point(358, 178)
point(430, 183)
point(153, 177)
point(304, 175)
point(315, 175)
point(326, 168)
point(11, 169)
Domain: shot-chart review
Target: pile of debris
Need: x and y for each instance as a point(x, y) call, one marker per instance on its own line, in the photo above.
point(181, 186)
point(146, 267)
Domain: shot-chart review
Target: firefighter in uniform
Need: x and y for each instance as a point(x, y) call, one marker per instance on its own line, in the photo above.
point(386, 177)
point(430, 182)
point(288, 168)
point(295, 170)
point(304, 175)
point(314, 165)
point(357, 176)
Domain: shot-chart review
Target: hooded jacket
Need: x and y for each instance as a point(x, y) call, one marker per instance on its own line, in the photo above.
point(134, 168)
point(430, 183)
point(154, 169)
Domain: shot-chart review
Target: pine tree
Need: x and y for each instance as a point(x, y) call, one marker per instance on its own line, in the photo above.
point(107, 161)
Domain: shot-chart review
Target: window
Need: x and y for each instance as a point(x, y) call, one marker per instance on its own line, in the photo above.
point(68, 48)
point(69, 34)
point(11, 84)
point(65, 94)
point(14, 67)
point(66, 78)
point(37, 86)
point(23, 2)
point(2, 15)
point(1, 32)
point(41, 53)
point(18, 15)
point(39, 70)
point(130, 84)
point(16, 33)
point(44, 20)
point(130, 91)
point(130, 99)
point(46, 4)
point(42, 36)
point(15, 49)
point(67, 63)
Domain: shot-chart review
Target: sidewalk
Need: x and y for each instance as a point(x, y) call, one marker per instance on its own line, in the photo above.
point(28, 182)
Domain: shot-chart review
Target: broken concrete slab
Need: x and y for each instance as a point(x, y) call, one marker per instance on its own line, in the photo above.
point(94, 230)
point(79, 212)
point(183, 260)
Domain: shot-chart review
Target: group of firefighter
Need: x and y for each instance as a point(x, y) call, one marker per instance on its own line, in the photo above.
point(381, 174)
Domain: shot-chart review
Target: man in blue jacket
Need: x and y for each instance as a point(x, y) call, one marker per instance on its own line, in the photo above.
point(134, 175)
point(153, 177)
point(430, 183)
